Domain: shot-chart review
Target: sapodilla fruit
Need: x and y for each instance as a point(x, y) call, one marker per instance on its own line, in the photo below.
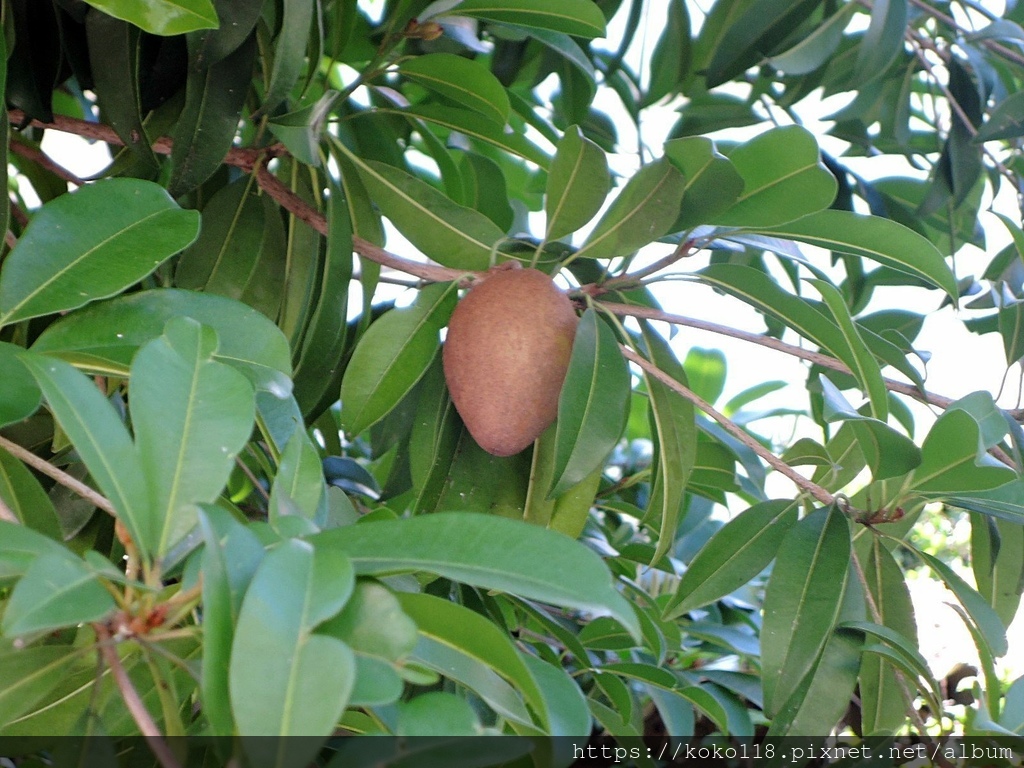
point(506, 354)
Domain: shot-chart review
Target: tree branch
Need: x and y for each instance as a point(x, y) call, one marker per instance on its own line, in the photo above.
point(62, 477)
point(147, 726)
point(770, 458)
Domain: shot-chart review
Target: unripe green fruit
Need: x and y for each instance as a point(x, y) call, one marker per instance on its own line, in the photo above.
point(505, 357)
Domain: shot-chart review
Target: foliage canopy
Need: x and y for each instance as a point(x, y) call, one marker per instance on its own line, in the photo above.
point(231, 477)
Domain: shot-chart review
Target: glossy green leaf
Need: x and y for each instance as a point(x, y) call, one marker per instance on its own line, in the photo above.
point(103, 443)
point(20, 397)
point(191, 415)
point(21, 546)
point(373, 623)
point(299, 483)
point(392, 356)
point(783, 179)
point(462, 80)
point(578, 183)
point(230, 558)
point(671, 57)
point(114, 57)
point(226, 258)
point(802, 601)
point(437, 714)
point(674, 425)
point(644, 210)
point(1005, 121)
point(57, 590)
point(29, 674)
point(593, 405)
point(214, 97)
point(25, 497)
point(882, 706)
point(887, 452)
point(1005, 502)
point(324, 343)
point(581, 18)
point(883, 41)
point(90, 245)
point(705, 372)
point(865, 368)
point(472, 125)
point(953, 460)
point(485, 551)
point(237, 19)
point(712, 183)
point(162, 17)
point(882, 240)
point(289, 51)
point(301, 254)
point(739, 551)
point(304, 691)
point(105, 337)
point(817, 48)
point(753, 31)
point(997, 560)
point(474, 635)
point(447, 232)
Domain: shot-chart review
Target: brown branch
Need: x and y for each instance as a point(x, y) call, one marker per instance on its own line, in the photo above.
point(43, 160)
point(279, 192)
point(136, 706)
point(62, 477)
point(770, 458)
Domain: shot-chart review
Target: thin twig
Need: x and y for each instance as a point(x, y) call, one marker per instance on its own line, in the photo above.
point(62, 477)
point(770, 458)
point(147, 726)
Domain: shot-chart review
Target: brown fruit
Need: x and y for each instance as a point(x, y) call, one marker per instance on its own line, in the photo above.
point(505, 357)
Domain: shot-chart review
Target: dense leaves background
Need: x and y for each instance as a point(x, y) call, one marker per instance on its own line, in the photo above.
point(235, 497)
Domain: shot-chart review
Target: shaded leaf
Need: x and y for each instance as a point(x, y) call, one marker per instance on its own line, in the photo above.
point(578, 182)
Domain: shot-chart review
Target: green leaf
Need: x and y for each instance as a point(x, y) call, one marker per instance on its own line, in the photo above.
point(289, 51)
point(105, 337)
point(21, 396)
point(887, 452)
point(1005, 502)
point(997, 560)
point(29, 674)
point(875, 238)
point(474, 635)
point(230, 557)
point(783, 179)
point(580, 18)
point(91, 244)
point(593, 405)
point(712, 182)
point(1005, 121)
point(705, 372)
point(299, 484)
point(643, 211)
point(882, 707)
point(191, 416)
point(21, 546)
point(865, 368)
point(953, 460)
point(817, 48)
point(737, 553)
point(674, 425)
point(578, 183)
point(25, 497)
point(103, 443)
point(214, 97)
point(485, 551)
point(883, 41)
point(451, 234)
point(392, 356)
point(671, 58)
point(162, 17)
point(301, 692)
point(802, 601)
point(462, 80)
point(437, 714)
point(58, 590)
point(373, 623)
